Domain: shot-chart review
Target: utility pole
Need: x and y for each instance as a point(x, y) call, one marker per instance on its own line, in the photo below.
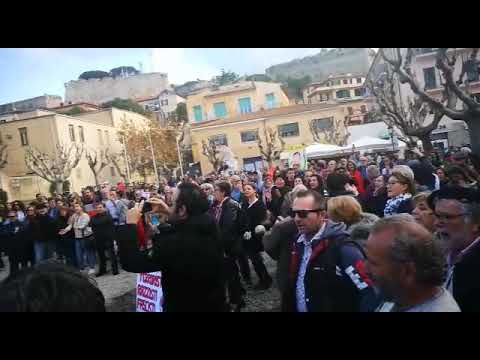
point(126, 158)
point(177, 138)
point(153, 158)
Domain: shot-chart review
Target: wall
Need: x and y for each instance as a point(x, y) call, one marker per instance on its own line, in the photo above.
point(98, 91)
point(45, 101)
point(25, 115)
point(250, 149)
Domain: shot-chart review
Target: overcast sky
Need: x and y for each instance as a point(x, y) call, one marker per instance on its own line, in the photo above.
point(30, 72)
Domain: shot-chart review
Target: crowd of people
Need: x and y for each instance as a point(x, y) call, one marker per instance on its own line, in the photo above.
point(364, 233)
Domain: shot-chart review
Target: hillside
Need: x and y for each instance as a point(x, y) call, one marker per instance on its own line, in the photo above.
point(327, 62)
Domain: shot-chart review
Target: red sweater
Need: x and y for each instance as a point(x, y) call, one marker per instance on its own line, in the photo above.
point(359, 182)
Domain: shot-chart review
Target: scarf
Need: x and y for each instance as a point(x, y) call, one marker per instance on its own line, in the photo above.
point(392, 205)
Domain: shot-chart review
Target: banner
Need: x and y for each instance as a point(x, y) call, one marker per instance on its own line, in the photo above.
point(149, 292)
point(298, 159)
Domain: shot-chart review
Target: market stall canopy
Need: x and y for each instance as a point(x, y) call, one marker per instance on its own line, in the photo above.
point(319, 150)
point(371, 143)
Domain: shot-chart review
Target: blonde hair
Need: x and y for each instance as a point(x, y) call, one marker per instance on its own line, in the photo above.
point(421, 197)
point(344, 209)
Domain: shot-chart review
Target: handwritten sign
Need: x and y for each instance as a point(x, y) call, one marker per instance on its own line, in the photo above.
point(149, 292)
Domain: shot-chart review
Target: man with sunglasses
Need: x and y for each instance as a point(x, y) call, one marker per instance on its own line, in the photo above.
point(327, 271)
point(457, 212)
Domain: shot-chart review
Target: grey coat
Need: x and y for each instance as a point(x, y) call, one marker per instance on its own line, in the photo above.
point(277, 245)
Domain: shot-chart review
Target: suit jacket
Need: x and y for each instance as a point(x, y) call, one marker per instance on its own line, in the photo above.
point(466, 284)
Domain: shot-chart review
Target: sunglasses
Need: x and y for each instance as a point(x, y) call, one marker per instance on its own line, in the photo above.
point(302, 214)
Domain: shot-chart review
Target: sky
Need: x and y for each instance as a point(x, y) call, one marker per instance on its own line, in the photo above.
point(30, 72)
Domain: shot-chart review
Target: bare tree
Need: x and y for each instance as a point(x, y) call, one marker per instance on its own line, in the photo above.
point(55, 168)
point(453, 91)
point(115, 159)
point(337, 133)
point(97, 161)
point(272, 146)
point(209, 149)
point(3, 156)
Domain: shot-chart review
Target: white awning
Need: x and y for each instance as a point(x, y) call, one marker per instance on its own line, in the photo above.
point(317, 150)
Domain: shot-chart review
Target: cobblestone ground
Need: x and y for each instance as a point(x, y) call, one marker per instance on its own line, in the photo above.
point(119, 291)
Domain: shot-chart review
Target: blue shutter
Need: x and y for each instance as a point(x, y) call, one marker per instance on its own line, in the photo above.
point(245, 105)
point(270, 100)
point(197, 113)
point(220, 109)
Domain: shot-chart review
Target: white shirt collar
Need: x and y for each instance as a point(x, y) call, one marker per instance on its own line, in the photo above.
point(250, 205)
point(318, 235)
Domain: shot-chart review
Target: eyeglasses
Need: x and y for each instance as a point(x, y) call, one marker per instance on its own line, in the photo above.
point(394, 182)
point(449, 217)
point(302, 214)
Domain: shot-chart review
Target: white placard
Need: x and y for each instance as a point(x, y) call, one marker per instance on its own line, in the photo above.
point(149, 292)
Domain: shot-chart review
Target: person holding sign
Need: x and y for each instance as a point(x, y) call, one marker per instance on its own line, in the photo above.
point(189, 253)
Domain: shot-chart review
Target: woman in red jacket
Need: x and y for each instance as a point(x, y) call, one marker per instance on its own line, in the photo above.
point(356, 175)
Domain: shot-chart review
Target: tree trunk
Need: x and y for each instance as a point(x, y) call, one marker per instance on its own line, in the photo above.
point(95, 175)
point(59, 187)
point(474, 132)
point(426, 144)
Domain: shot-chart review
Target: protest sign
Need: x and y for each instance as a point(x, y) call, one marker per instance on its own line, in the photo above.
point(149, 292)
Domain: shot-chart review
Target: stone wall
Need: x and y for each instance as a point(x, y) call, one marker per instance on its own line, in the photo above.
point(98, 91)
point(39, 102)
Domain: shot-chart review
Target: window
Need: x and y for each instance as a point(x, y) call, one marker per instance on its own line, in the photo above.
point(253, 164)
point(23, 136)
point(220, 139)
point(363, 109)
point(345, 81)
point(219, 109)
point(337, 82)
point(112, 171)
point(270, 100)
point(71, 131)
point(251, 135)
point(245, 105)
point(342, 94)
point(164, 102)
point(288, 130)
point(80, 134)
point(197, 113)
point(351, 81)
point(360, 92)
point(359, 80)
point(324, 97)
point(323, 124)
point(146, 107)
point(100, 138)
point(350, 110)
point(107, 138)
point(429, 77)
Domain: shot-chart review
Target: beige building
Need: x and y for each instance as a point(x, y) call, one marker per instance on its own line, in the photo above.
point(243, 97)
point(346, 89)
point(239, 133)
point(44, 130)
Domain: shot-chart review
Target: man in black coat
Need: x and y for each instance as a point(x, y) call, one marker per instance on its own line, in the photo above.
point(103, 231)
point(457, 210)
point(44, 231)
point(228, 218)
point(189, 254)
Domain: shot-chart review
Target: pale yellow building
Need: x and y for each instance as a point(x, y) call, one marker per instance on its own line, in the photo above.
point(44, 130)
point(239, 133)
point(230, 100)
